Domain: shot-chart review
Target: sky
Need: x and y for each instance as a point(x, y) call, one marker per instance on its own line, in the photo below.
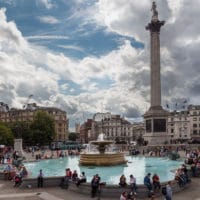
point(89, 56)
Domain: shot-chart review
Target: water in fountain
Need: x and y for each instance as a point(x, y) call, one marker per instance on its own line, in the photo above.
point(101, 137)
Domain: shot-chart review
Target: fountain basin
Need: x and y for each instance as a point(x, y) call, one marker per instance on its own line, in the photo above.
point(108, 159)
point(138, 166)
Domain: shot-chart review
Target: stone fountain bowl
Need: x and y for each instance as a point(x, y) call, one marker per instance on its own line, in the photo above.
point(98, 159)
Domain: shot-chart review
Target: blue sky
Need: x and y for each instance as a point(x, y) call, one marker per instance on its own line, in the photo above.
point(87, 56)
point(70, 34)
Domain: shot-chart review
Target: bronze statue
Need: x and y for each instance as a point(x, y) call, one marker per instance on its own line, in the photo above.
point(155, 12)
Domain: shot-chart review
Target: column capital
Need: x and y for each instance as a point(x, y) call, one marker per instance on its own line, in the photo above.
point(155, 26)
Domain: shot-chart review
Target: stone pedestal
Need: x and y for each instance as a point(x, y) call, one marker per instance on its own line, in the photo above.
point(18, 147)
point(156, 126)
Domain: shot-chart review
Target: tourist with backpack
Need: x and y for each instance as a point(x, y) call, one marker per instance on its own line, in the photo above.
point(95, 185)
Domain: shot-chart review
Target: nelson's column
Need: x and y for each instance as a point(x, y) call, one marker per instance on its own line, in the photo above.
point(156, 117)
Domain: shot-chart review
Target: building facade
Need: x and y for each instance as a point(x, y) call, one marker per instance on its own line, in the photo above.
point(27, 116)
point(184, 125)
point(178, 126)
point(114, 127)
point(85, 132)
point(194, 120)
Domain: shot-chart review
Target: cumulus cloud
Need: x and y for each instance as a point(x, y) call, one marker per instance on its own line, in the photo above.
point(21, 66)
point(31, 69)
point(27, 68)
point(179, 37)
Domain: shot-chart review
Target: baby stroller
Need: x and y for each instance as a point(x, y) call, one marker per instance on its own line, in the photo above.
point(17, 180)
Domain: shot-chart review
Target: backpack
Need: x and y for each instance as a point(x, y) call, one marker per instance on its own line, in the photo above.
point(164, 190)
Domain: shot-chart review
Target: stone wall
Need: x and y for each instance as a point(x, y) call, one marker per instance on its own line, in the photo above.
point(106, 191)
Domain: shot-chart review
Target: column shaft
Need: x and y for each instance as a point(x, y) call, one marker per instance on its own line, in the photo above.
point(155, 70)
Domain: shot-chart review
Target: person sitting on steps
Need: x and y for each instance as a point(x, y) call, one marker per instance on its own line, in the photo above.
point(81, 179)
point(122, 181)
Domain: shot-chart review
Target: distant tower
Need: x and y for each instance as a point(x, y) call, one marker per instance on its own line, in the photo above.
point(156, 116)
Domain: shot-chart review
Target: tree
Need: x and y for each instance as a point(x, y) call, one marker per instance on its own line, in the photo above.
point(73, 136)
point(22, 130)
point(6, 136)
point(42, 128)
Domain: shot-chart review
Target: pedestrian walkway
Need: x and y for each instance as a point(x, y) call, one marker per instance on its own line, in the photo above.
point(8, 192)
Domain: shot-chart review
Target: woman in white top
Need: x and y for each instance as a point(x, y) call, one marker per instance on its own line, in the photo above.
point(133, 184)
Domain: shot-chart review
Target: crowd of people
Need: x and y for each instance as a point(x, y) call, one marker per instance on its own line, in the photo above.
point(152, 183)
point(193, 159)
point(74, 177)
point(14, 173)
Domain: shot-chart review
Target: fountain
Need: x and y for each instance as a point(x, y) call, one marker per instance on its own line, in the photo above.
point(102, 157)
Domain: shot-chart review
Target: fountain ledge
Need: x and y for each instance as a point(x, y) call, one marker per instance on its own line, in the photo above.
point(113, 191)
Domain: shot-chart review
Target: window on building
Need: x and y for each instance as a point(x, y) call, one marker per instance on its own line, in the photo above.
point(172, 130)
point(195, 132)
point(194, 119)
point(148, 125)
point(159, 125)
point(195, 125)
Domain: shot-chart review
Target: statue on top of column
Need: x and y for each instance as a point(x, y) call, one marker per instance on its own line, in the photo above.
point(155, 12)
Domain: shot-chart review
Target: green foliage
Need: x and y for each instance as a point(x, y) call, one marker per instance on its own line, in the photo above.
point(73, 136)
point(42, 128)
point(6, 136)
point(21, 130)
